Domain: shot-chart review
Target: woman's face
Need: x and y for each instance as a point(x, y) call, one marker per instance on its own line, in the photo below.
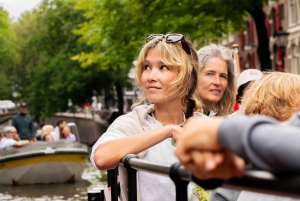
point(66, 131)
point(156, 78)
point(213, 81)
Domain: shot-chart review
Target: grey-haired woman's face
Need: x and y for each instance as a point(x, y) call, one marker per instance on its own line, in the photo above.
point(213, 81)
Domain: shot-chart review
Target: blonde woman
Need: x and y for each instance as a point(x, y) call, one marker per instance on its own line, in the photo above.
point(216, 86)
point(276, 95)
point(166, 72)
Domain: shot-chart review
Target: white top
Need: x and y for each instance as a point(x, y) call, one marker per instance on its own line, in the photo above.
point(151, 187)
point(7, 142)
point(55, 134)
point(99, 106)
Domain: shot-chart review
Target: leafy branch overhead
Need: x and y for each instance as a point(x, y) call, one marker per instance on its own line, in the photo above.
point(70, 48)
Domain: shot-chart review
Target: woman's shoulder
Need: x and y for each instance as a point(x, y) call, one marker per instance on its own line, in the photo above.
point(199, 114)
point(139, 112)
point(135, 119)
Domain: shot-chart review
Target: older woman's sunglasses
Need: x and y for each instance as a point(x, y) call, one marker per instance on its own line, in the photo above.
point(171, 38)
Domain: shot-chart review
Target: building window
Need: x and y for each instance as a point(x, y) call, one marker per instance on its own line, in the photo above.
point(272, 21)
point(292, 11)
point(242, 40)
point(247, 64)
point(281, 11)
point(294, 68)
point(298, 10)
point(252, 60)
point(275, 57)
point(247, 34)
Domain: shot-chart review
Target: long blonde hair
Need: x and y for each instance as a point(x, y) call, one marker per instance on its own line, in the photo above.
point(225, 105)
point(173, 54)
point(276, 94)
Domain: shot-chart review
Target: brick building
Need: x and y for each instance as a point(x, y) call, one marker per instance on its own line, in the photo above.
point(283, 29)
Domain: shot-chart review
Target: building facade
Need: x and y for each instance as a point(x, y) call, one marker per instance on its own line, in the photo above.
point(282, 21)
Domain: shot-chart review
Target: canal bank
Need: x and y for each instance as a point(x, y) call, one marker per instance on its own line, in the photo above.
point(56, 192)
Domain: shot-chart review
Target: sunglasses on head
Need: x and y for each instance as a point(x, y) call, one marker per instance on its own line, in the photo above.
point(171, 38)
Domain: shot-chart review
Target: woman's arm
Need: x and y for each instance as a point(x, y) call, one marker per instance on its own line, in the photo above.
point(109, 154)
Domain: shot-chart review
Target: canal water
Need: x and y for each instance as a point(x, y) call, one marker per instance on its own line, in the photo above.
point(56, 192)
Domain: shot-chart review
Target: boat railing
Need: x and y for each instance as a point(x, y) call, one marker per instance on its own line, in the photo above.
point(255, 181)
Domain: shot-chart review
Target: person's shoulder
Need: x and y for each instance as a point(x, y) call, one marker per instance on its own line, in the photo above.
point(142, 110)
point(9, 141)
point(16, 115)
point(133, 120)
point(138, 111)
point(199, 114)
point(28, 115)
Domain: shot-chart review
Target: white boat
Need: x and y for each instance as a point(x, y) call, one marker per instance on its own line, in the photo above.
point(43, 163)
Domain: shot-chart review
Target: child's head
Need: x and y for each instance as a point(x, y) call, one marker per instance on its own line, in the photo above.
point(276, 95)
point(48, 137)
point(245, 80)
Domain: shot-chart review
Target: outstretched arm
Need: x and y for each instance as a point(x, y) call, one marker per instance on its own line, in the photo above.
point(21, 143)
point(263, 141)
point(109, 154)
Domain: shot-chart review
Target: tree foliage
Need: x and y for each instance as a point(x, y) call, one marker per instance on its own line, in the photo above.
point(70, 48)
point(117, 29)
point(8, 56)
point(46, 53)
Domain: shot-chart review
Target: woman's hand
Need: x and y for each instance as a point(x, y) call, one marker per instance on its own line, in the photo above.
point(175, 132)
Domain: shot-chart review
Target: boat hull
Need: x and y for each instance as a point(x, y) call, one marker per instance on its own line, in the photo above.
point(44, 166)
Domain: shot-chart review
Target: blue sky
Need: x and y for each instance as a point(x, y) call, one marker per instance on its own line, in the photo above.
point(16, 7)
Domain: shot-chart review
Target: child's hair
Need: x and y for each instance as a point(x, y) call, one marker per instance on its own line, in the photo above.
point(276, 95)
point(174, 55)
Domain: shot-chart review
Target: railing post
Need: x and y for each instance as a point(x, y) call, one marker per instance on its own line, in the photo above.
point(181, 185)
point(94, 195)
point(112, 177)
point(132, 182)
point(101, 197)
point(108, 178)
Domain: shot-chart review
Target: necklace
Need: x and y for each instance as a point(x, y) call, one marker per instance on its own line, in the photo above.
point(180, 125)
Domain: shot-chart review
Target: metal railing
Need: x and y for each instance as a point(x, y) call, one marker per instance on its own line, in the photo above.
point(256, 181)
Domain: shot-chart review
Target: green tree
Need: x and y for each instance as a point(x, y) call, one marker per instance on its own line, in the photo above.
point(47, 45)
point(25, 29)
point(116, 29)
point(8, 56)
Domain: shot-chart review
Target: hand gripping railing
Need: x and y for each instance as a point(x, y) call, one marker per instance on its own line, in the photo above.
point(257, 181)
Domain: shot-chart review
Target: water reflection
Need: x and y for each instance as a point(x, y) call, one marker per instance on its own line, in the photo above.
point(58, 192)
